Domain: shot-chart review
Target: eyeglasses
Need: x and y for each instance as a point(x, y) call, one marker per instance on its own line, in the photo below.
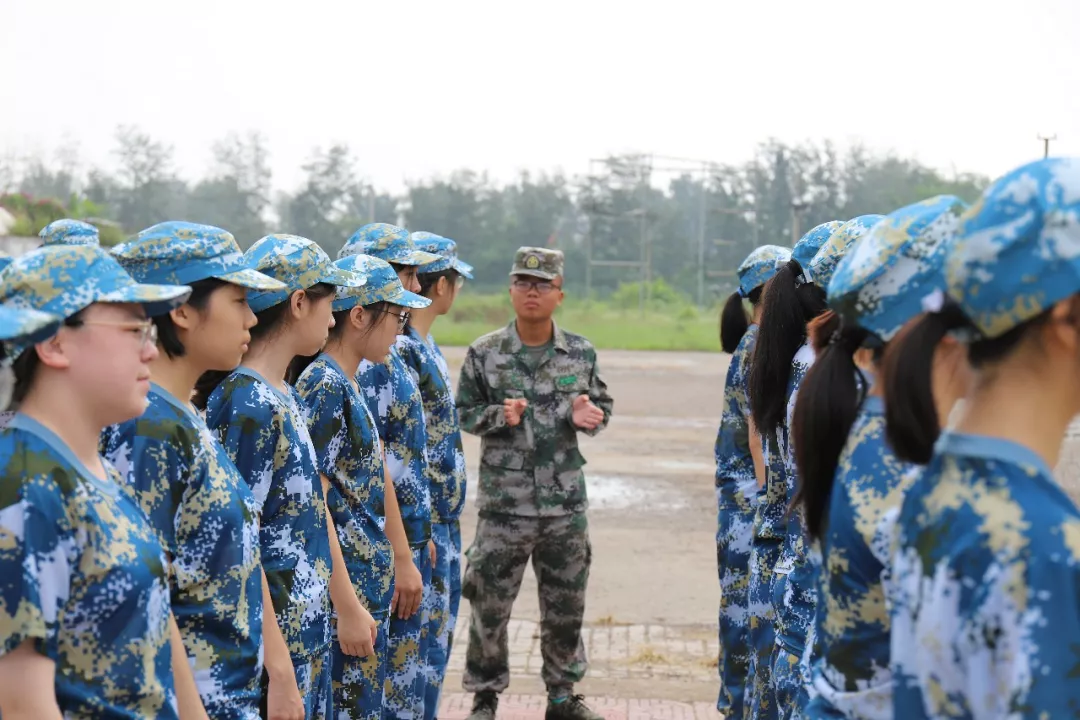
point(403, 319)
point(541, 286)
point(146, 329)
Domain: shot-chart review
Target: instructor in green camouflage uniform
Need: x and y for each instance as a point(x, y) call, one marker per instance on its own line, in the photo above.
point(528, 390)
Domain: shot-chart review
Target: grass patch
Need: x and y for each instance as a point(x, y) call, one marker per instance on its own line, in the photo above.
point(608, 327)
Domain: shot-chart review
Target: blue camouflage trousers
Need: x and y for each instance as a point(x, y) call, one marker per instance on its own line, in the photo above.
point(358, 683)
point(313, 682)
point(407, 651)
point(442, 619)
point(789, 685)
point(733, 540)
point(759, 702)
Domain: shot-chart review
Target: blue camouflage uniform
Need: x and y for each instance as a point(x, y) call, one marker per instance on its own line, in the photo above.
point(264, 430)
point(393, 398)
point(193, 494)
point(986, 575)
point(878, 286)
point(82, 575)
point(446, 473)
point(69, 232)
point(736, 489)
point(350, 454)
point(770, 506)
point(795, 588)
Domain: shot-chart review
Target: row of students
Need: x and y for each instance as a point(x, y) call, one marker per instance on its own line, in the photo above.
point(913, 572)
point(265, 466)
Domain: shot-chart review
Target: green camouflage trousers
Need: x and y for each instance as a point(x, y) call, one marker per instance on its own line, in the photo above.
point(561, 555)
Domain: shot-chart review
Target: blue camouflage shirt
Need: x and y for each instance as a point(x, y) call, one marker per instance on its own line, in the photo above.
point(445, 454)
point(986, 587)
point(84, 577)
point(795, 590)
point(393, 398)
point(736, 482)
point(265, 433)
point(851, 675)
point(207, 518)
point(350, 455)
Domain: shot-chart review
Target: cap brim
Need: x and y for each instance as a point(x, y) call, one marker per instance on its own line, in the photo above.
point(463, 269)
point(32, 325)
point(417, 257)
point(252, 280)
point(534, 273)
point(408, 299)
point(342, 278)
point(155, 299)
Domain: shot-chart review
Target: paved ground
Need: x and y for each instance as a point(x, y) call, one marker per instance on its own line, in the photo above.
point(653, 594)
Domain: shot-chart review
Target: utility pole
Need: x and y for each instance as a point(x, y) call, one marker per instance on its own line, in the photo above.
point(797, 208)
point(1046, 143)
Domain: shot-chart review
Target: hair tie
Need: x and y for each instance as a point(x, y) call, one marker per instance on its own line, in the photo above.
point(934, 302)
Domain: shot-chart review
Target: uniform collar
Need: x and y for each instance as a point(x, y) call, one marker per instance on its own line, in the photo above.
point(512, 344)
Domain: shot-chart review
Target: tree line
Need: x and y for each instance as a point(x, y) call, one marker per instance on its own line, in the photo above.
point(690, 228)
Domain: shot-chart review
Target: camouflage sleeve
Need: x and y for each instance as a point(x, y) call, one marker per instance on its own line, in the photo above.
point(37, 550)
point(476, 413)
point(599, 395)
point(327, 409)
point(248, 431)
point(410, 351)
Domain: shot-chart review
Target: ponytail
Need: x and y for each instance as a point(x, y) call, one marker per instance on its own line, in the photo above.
point(790, 303)
point(733, 319)
point(912, 425)
point(341, 318)
point(825, 410)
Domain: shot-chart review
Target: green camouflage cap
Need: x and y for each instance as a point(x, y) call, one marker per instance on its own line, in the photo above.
point(179, 253)
point(382, 285)
point(296, 262)
point(543, 263)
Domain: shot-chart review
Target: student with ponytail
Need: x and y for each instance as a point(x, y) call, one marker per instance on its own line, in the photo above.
point(849, 482)
point(352, 462)
point(187, 485)
point(739, 473)
point(85, 625)
point(795, 585)
point(788, 303)
point(440, 282)
point(260, 421)
point(986, 573)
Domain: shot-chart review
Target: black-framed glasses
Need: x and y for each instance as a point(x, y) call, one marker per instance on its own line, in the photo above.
point(403, 318)
point(542, 286)
point(147, 330)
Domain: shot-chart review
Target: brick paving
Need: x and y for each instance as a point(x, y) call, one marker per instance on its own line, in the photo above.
point(616, 652)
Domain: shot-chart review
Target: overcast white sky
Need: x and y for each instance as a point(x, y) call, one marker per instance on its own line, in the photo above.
point(418, 88)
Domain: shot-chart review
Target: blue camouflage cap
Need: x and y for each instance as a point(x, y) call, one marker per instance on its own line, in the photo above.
point(382, 285)
point(881, 282)
point(26, 326)
point(69, 232)
point(63, 279)
point(823, 265)
point(808, 245)
point(179, 253)
point(1017, 250)
point(298, 263)
point(443, 247)
point(759, 267)
point(386, 242)
point(5, 260)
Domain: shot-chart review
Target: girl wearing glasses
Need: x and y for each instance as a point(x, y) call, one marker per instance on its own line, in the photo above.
point(85, 625)
point(260, 420)
point(440, 282)
point(393, 397)
point(351, 460)
point(188, 487)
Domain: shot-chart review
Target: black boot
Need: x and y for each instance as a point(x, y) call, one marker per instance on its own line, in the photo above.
point(484, 705)
point(572, 708)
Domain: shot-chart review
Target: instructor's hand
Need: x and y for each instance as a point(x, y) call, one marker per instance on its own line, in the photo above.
point(586, 415)
point(513, 410)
